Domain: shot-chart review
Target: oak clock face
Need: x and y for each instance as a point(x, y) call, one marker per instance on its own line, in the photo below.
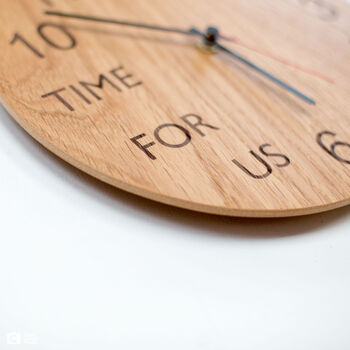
point(232, 107)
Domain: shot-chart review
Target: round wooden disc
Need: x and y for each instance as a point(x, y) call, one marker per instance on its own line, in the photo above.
point(151, 113)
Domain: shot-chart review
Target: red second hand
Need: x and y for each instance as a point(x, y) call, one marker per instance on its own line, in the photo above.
point(278, 58)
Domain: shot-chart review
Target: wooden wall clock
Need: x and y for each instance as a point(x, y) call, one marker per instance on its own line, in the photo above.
point(229, 107)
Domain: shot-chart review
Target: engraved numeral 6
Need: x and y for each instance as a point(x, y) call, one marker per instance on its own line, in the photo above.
point(334, 147)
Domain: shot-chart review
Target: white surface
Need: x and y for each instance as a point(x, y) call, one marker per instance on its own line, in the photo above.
point(85, 266)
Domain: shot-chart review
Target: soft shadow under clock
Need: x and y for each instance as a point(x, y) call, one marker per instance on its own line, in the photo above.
point(115, 199)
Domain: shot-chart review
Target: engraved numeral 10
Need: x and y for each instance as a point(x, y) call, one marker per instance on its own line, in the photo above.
point(69, 44)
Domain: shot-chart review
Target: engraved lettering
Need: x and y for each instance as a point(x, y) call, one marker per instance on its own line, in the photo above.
point(144, 148)
point(125, 78)
point(57, 95)
point(176, 126)
point(196, 123)
point(254, 176)
point(100, 85)
point(268, 166)
point(276, 155)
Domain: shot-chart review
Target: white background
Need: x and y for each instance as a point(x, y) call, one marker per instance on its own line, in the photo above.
point(86, 266)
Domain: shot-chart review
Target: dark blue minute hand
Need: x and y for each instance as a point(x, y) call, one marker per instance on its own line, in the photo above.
point(214, 42)
point(267, 74)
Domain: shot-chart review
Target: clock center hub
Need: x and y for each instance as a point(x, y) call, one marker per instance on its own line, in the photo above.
point(210, 40)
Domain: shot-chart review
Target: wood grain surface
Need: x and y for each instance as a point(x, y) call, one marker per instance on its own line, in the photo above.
point(178, 125)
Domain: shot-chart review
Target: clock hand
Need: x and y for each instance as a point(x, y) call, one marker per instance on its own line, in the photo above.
point(124, 23)
point(277, 58)
point(210, 38)
point(267, 75)
point(190, 32)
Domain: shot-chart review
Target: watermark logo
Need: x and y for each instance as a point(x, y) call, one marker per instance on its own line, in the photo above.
point(17, 338)
point(13, 338)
